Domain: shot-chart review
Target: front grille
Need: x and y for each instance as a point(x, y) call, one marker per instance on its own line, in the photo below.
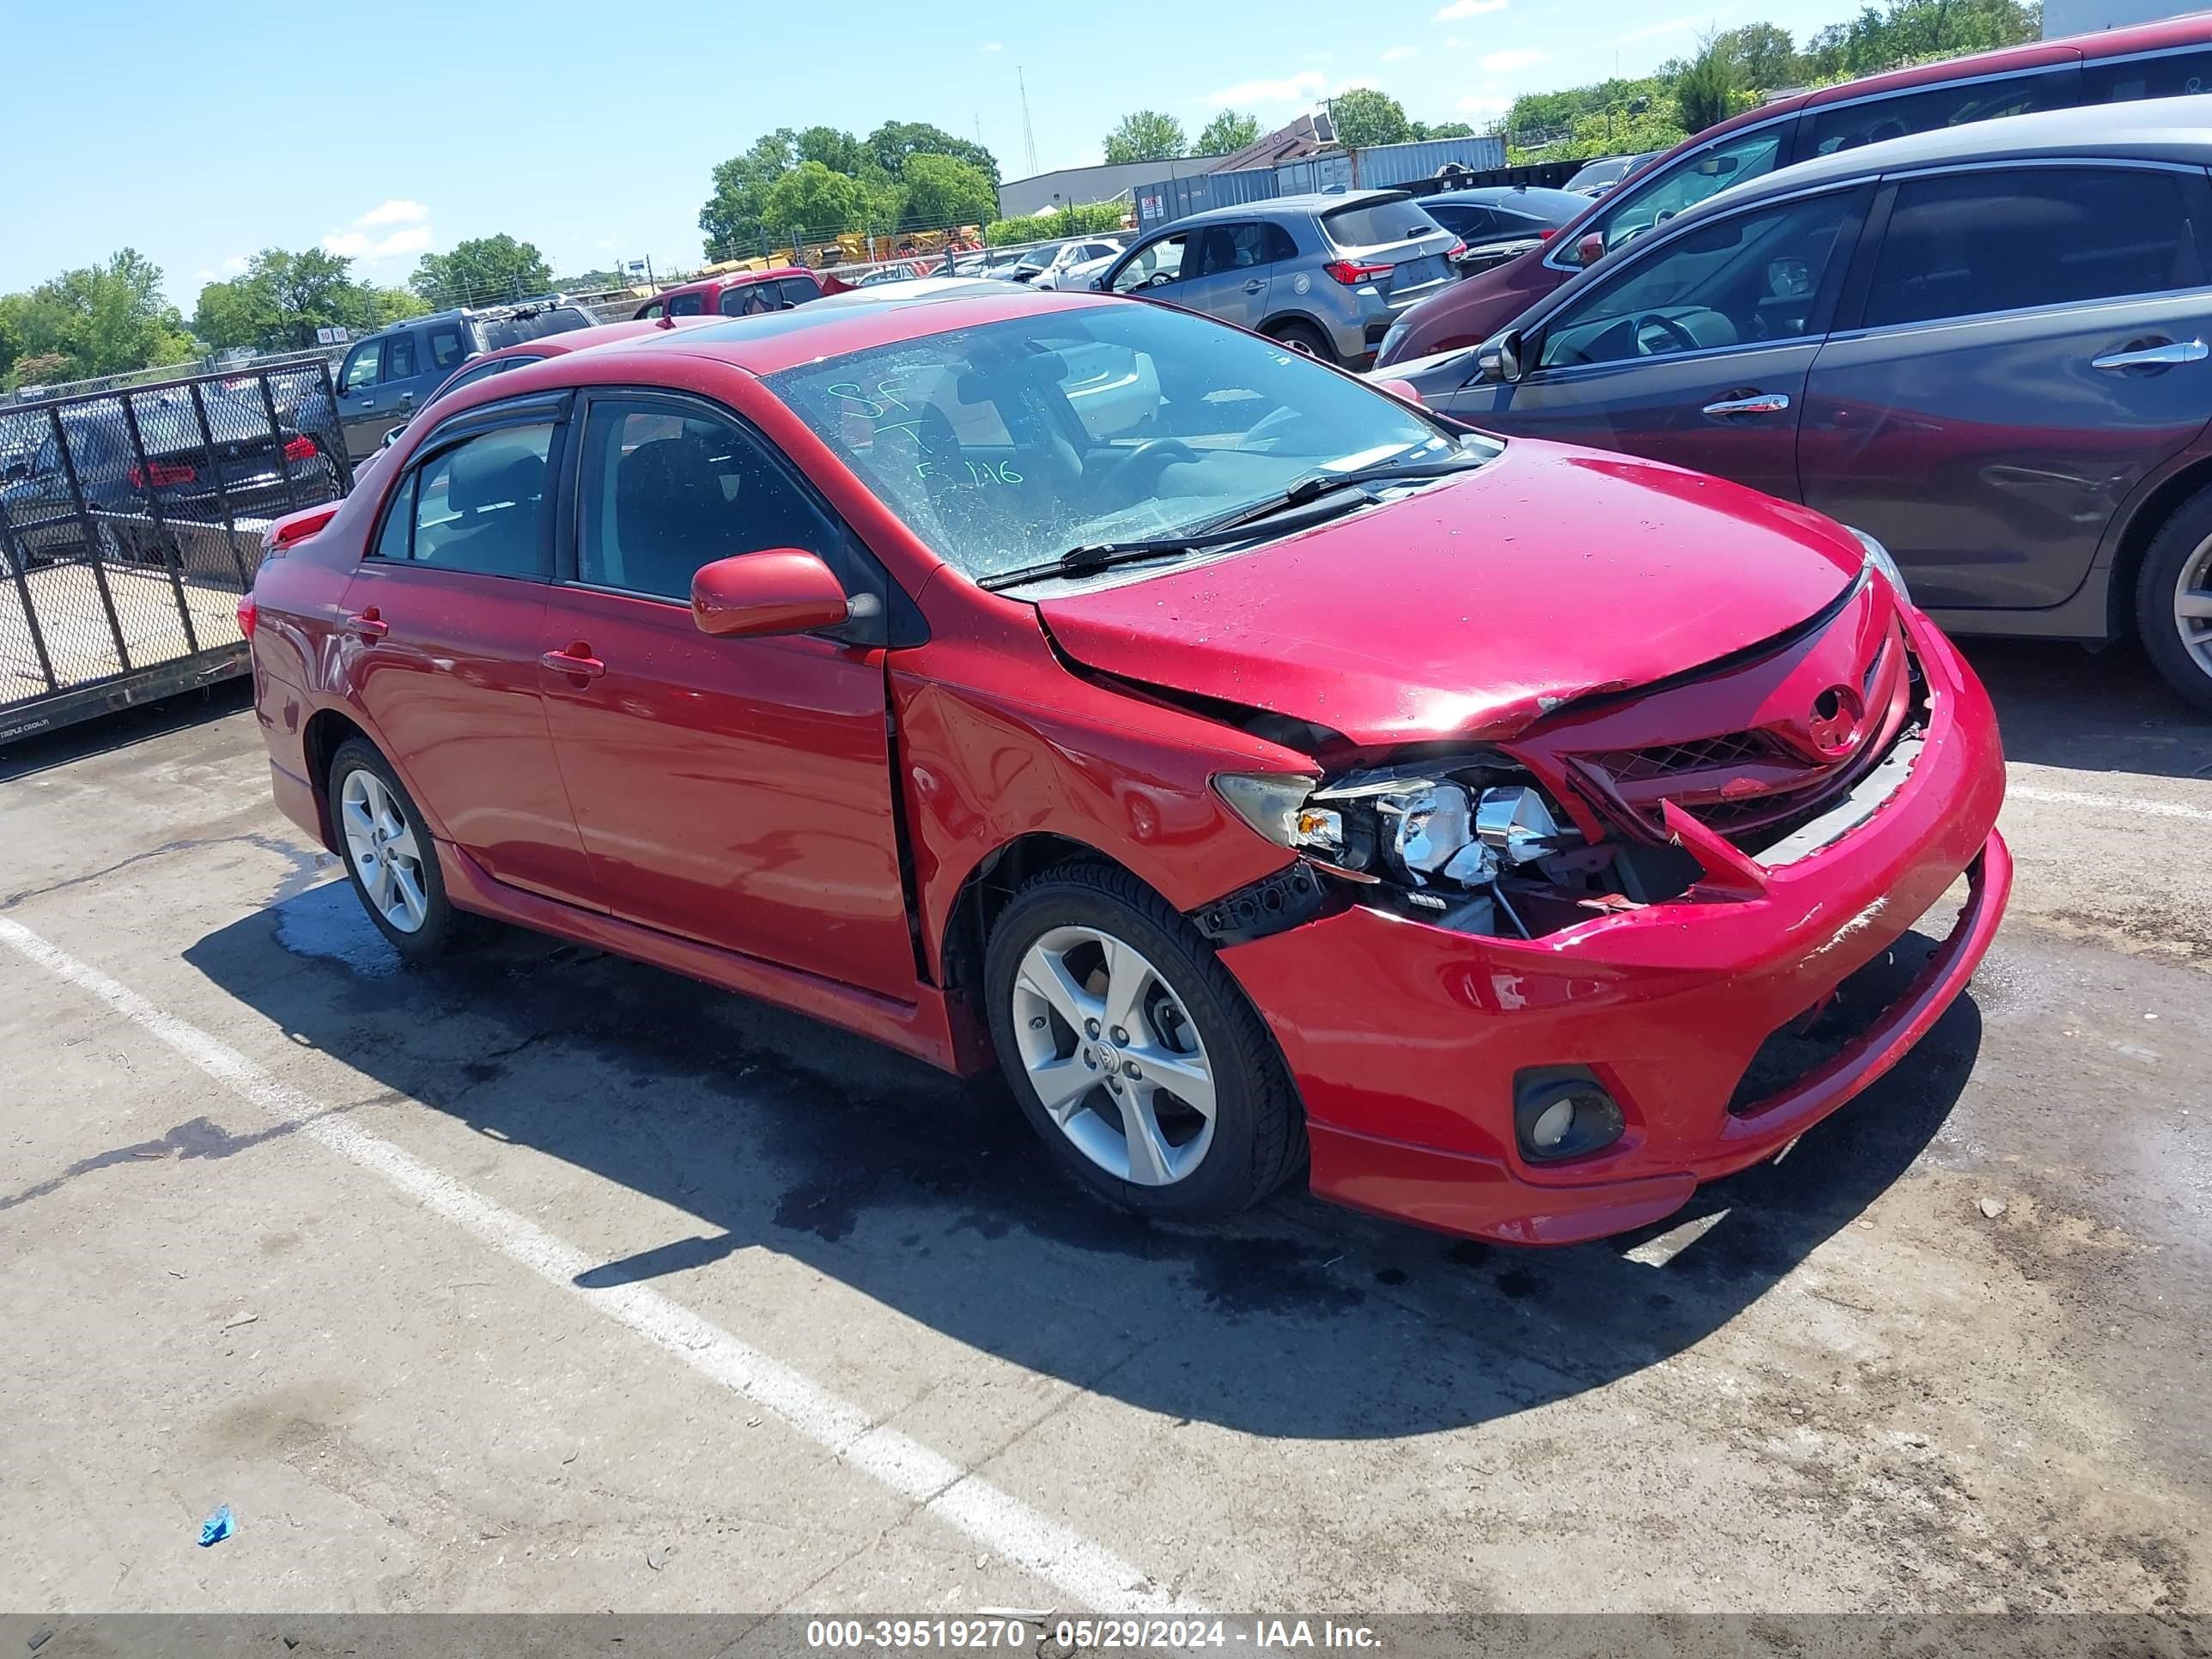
point(1703, 755)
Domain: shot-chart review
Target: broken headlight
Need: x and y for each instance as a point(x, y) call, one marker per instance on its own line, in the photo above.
point(1880, 558)
point(1438, 833)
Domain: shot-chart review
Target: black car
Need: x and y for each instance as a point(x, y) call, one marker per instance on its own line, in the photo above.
point(1501, 222)
point(173, 478)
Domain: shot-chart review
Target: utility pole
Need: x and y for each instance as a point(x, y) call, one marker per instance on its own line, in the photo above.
point(1028, 134)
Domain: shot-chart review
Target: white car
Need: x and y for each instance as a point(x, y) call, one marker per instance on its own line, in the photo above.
point(1073, 279)
point(1055, 274)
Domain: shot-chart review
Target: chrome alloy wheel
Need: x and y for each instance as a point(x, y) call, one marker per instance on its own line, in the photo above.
point(385, 853)
point(1115, 1058)
point(2193, 604)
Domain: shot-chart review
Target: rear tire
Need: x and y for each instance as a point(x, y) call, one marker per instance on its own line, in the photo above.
point(1303, 336)
point(2173, 600)
point(390, 857)
point(1183, 1107)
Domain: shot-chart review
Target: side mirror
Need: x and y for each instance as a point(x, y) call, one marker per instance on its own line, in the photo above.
point(782, 591)
point(1098, 284)
point(1500, 360)
point(1589, 250)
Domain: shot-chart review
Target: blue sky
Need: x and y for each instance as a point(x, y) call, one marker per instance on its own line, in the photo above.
point(200, 135)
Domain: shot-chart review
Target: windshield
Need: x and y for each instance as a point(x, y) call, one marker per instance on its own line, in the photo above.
point(1599, 172)
point(1005, 445)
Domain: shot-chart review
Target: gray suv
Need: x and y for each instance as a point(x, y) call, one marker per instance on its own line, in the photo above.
point(1327, 274)
point(386, 376)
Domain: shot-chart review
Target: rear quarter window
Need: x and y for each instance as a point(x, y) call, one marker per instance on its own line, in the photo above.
point(1369, 224)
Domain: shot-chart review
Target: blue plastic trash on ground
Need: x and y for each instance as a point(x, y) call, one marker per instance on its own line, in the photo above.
point(217, 1527)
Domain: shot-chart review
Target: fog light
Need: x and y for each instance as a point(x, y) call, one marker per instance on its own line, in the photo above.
point(1562, 1112)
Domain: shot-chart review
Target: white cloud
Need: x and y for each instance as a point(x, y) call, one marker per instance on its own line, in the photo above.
point(1299, 88)
point(1394, 54)
point(1484, 103)
point(359, 240)
point(235, 265)
point(994, 45)
point(1672, 25)
point(396, 211)
point(1506, 62)
point(1459, 9)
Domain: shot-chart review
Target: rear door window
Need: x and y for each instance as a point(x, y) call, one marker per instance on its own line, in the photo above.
point(481, 506)
point(399, 357)
point(1372, 224)
point(797, 290)
point(1964, 243)
point(1847, 126)
point(1227, 249)
point(2171, 74)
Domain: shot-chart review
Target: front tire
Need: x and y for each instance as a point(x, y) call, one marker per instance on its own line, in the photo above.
point(389, 855)
point(1133, 1052)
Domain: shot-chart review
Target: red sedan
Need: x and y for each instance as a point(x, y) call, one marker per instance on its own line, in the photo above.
point(1267, 774)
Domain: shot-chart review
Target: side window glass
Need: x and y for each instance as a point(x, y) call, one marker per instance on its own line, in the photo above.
point(1848, 125)
point(447, 347)
point(2175, 75)
point(1640, 209)
point(1280, 244)
point(688, 305)
point(649, 313)
point(1972, 242)
point(797, 290)
point(1157, 265)
point(360, 371)
point(666, 492)
point(399, 357)
point(1739, 281)
point(481, 505)
point(393, 539)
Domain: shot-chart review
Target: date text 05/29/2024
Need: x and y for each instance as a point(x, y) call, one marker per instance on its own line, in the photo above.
point(1013, 1631)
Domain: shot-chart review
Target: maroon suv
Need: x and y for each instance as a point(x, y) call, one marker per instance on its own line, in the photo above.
point(2158, 60)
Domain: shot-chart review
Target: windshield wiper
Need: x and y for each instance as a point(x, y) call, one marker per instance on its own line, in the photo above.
point(1234, 526)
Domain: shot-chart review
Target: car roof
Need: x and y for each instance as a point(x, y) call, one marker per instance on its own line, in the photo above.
point(776, 340)
point(1310, 202)
point(1506, 195)
point(2177, 130)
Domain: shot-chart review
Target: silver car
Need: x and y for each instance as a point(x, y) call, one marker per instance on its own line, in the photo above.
point(1327, 274)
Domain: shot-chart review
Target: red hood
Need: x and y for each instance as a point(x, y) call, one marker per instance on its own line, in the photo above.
point(1473, 609)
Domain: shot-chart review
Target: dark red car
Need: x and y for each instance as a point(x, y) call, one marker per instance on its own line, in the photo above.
point(738, 293)
point(1268, 773)
point(2157, 60)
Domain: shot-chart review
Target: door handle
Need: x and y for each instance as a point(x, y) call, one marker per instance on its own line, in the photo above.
point(1758, 403)
point(1254, 286)
point(368, 624)
point(577, 660)
point(407, 400)
point(2156, 356)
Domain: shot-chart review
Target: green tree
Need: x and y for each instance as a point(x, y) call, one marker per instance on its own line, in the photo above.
point(891, 144)
point(1764, 55)
point(812, 202)
point(100, 319)
point(482, 268)
point(1918, 31)
point(1443, 130)
point(1363, 117)
point(941, 191)
point(1706, 90)
point(836, 149)
point(1227, 133)
point(1146, 135)
point(734, 217)
point(284, 297)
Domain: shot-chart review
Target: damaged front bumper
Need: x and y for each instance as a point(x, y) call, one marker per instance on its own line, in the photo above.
point(1406, 1038)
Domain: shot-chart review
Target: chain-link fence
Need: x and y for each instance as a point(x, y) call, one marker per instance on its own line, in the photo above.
point(131, 521)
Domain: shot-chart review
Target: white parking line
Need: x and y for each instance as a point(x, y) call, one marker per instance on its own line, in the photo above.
point(2149, 809)
point(998, 1521)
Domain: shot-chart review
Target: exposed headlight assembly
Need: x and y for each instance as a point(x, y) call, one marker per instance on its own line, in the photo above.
point(1878, 558)
point(1436, 839)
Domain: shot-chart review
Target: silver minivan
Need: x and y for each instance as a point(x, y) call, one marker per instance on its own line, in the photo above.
point(1326, 273)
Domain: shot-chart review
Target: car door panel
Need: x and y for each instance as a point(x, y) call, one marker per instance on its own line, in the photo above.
point(1970, 427)
point(736, 792)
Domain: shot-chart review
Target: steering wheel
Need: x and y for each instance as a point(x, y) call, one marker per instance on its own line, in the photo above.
point(1153, 452)
point(1683, 339)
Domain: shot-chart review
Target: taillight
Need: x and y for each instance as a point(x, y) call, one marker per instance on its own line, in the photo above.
point(159, 474)
point(302, 448)
point(1456, 251)
point(295, 527)
point(1352, 273)
point(248, 614)
point(1547, 232)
